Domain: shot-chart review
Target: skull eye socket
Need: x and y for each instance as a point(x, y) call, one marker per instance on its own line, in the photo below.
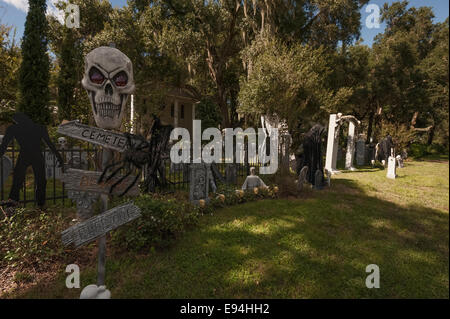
point(96, 76)
point(120, 79)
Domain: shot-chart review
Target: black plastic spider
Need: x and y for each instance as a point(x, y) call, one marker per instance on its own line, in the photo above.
point(136, 156)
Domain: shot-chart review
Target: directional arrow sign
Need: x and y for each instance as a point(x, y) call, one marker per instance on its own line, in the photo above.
point(98, 226)
point(109, 139)
point(87, 181)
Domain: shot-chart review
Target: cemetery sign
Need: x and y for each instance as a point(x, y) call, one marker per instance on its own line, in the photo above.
point(97, 226)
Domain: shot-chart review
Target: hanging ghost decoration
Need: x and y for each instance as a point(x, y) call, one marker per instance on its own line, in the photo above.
point(108, 80)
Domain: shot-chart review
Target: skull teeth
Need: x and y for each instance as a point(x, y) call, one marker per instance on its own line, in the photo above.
point(108, 110)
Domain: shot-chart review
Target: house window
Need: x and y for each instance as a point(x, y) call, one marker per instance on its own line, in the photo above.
point(182, 111)
point(172, 110)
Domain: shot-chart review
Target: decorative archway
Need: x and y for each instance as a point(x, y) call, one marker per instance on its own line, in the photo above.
point(336, 120)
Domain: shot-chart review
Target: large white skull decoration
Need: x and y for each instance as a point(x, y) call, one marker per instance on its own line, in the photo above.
point(108, 80)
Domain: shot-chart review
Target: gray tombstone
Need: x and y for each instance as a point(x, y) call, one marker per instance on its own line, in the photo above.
point(84, 202)
point(77, 159)
point(231, 173)
point(6, 169)
point(51, 166)
point(328, 177)
point(302, 178)
point(212, 182)
point(199, 183)
point(361, 152)
point(318, 180)
point(400, 161)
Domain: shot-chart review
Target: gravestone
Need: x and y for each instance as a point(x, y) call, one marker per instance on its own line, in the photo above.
point(361, 152)
point(350, 155)
point(231, 173)
point(400, 161)
point(328, 177)
point(77, 158)
point(391, 168)
point(302, 178)
point(84, 202)
point(51, 166)
point(6, 167)
point(198, 183)
point(318, 178)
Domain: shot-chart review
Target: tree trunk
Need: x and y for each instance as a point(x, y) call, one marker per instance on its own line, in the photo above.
point(431, 135)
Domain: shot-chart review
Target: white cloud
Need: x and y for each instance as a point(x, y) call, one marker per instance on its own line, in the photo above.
point(52, 10)
point(22, 5)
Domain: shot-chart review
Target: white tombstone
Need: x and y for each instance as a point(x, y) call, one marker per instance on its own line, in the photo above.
point(392, 167)
point(350, 147)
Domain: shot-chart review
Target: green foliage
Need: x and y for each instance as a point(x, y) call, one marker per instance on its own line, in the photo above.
point(68, 77)
point(162, 221)
point(31, 238)
point(34, 73)
point(208, 112)
point(9, 64)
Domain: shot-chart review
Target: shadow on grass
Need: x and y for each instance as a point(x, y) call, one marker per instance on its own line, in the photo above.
point(314, 247)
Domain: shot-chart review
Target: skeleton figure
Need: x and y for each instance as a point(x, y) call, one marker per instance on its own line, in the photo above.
point(62, 142)
point(108, 80)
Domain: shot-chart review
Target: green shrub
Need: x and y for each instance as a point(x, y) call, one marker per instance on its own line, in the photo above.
point(417, 150)
point(162, 221)
point(31, 237)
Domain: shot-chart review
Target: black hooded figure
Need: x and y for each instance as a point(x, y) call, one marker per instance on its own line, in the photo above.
point(29, 136)
point(383, 149)
point(312, 152)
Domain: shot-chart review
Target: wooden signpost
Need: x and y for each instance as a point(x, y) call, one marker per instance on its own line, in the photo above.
point(98, 226)
point(84, 189)
point(87, 181)
point(113, 140)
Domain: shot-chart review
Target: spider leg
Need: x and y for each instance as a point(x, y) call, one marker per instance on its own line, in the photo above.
point(132, 184)
point(114, 173)
point(105, 170)
point(120, 181)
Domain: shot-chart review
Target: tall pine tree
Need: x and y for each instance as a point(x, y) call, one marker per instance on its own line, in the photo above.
point(34, 73)
point(67, 77)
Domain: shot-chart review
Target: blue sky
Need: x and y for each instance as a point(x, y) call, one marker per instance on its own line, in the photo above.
point(13, 12)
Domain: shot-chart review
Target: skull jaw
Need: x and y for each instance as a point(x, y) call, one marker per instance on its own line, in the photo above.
point(108, 117)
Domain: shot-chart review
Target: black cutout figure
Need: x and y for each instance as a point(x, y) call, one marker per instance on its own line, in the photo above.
point(312, 156)
point(383, 149)
point(29, 136)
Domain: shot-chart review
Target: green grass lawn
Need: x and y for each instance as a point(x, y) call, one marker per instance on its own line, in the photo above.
point(315, 246)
